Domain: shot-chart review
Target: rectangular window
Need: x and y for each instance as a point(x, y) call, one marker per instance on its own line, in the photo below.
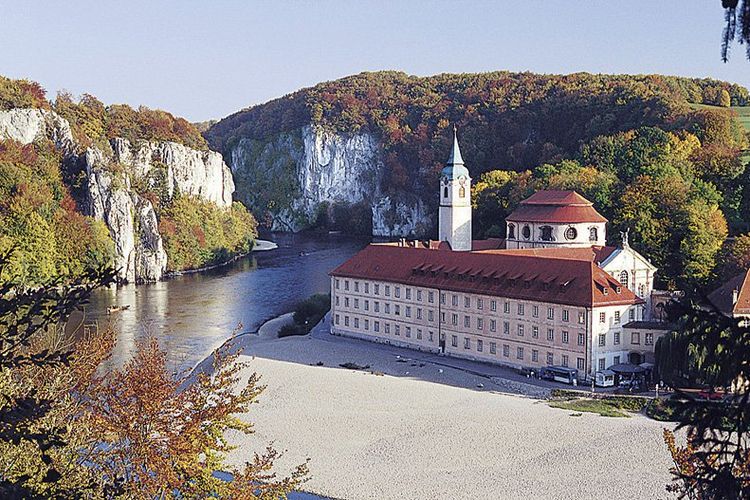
point(337, 300)
point(480, 323)
point(454, 340)
point(535, 331)
point(616, 360)
point(419, 334)
point(346, 301)
point(581, 339)
point(580, 363)
point(506, 307)
point(356, 286)
point(635, 338)
point(387, 328)
point(506, 328)
point(408, 294)
point(408, 331)
point(377, 288)
point(520, 309)
point(566, 315)
point(387, 308)
point(376, 326)
point(467, 343)
point(550, 334)
point(397, 330)
point(550, 313)
point(454, 300)
point(617, 316)
point(367, 305)
point(430, 315)
point(419, 313)
point(442, 317)
point(454, 319)
point(506, 350)
point(346, 320)
point(519, 353)
point(367, 324)
point(431, 297)
point(356, 322)
point(493, 348)
point(520, 330)
point(397, 291)
point(534, 355)
point(376, 305)
point(387, 290)
point(602, 364)
point(467, 322)
point(346, 285)
point(480, 304)
point(631, 314)
point(442, 298)
point(564, 361)
point(337, 319)
point(493, 325)
point(616, 339)
point(467, 302)
point(581, 317)
point(337, 284)
point(397, 310)
point(356, 303)
point(407, 311)
point(565, 337)
point(419, 295)
point(649, 338)
point(535, 311)
point(367, 287)
point(550, 358)
point(602, 317)
point(431, 334)
point(602, 339)
point(493, 305)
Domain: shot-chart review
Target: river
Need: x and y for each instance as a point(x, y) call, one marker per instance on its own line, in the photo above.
point(193, 314)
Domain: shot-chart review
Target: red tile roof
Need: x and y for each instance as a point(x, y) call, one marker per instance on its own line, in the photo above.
point(526, 277)
point(723, 297)
point(556, 207)
point(594, 253)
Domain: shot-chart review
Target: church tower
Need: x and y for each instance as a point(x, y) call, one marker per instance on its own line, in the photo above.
point(455, 201)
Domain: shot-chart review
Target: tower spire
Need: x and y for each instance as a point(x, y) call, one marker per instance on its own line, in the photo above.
point(455, 156)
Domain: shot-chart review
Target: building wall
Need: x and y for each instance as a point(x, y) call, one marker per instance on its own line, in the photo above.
point(558, 234)
point(487, 328)
point(455, 213)
point(611, 345)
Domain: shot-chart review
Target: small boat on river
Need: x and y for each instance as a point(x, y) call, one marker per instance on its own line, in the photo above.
point(114, 309)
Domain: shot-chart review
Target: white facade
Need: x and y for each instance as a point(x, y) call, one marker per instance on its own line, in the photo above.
point(550, 235)
point(455, 202)
point(633, 271)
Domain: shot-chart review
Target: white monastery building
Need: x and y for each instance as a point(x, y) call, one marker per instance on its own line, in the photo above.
point(551, 293)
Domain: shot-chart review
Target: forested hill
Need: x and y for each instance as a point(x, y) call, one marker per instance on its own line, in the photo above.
point(660, 155)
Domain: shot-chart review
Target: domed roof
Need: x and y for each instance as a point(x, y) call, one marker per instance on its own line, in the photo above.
point(455, 165)
point(558, 207)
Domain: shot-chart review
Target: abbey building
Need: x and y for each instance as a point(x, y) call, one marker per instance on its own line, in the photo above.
point(551, 293)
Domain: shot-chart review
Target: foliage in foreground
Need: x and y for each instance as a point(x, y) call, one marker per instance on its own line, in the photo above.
point(307, 314)
point(711, 350)
point(68, 429)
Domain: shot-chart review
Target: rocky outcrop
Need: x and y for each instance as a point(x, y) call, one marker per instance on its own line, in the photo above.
point(110, 197)
point(295, 172)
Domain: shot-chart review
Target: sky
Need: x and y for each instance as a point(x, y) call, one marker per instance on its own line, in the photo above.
point(207, 59)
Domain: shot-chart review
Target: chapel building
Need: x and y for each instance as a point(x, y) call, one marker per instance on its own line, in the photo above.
point(551, 293)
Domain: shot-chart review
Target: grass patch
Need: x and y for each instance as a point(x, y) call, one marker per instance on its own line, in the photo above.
point(307, 314)
point(604, 405)
point(744, 115)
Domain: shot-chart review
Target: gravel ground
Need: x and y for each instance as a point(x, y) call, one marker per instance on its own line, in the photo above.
point(405, 428)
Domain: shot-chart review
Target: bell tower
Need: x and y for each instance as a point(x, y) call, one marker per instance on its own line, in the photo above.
point(455, 201)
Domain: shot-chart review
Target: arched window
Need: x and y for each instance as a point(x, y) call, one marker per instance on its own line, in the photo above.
point(624, 279)
point(593, 234)
point(546, 233)
point(511, 231)
point(462, 192)
point(526, 232)
point(445, 192)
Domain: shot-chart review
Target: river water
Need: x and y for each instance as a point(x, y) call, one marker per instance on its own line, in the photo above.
point(193, 314)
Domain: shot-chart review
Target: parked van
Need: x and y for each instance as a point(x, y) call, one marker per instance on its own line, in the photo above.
point(605, 378)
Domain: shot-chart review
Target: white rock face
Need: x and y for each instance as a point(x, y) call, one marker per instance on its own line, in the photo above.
point(131, 219)
point(328, 167)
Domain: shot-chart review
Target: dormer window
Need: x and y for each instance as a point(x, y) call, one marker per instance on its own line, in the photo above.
point(511, 231)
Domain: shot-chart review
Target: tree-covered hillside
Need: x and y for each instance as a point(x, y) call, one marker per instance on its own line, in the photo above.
point(660, 155)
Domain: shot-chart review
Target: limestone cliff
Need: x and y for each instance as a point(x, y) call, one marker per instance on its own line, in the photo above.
point(293, 173)
point(109, 192)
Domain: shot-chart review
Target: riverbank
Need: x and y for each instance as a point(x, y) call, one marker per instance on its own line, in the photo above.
point(407, 426)
point(259, 246)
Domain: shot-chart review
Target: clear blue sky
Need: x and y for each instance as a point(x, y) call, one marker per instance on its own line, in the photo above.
point(206, 59)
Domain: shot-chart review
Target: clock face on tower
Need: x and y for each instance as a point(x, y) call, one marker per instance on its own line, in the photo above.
point(462, 180)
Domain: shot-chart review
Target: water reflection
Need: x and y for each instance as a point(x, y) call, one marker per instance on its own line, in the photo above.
point(193, 314)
